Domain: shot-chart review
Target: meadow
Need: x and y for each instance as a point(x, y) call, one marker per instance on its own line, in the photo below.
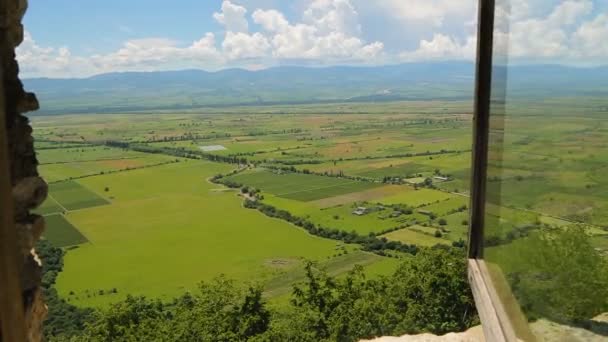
point(181, 226)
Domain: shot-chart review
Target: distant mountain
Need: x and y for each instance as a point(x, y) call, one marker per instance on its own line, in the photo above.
point(185, 89)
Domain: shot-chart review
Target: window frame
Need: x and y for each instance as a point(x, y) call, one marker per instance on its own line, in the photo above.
point(496, 323)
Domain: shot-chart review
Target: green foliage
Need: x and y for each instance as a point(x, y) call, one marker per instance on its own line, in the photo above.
point(63, 319)
point(428, 293)
point(369, 242)
point(219, 312)
point(560, 275)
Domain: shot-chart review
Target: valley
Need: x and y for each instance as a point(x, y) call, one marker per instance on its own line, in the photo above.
point(152, 204)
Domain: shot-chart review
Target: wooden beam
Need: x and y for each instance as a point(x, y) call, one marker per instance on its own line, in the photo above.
point(11, 302)
point(481, 126)
point(496, 324)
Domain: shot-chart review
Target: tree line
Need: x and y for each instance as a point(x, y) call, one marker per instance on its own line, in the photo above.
point(368, 242)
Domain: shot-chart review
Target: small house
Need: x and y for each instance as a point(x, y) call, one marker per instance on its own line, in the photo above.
point(360, 211)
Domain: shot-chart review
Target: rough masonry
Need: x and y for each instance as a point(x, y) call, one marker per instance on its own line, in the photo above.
point(28, 189)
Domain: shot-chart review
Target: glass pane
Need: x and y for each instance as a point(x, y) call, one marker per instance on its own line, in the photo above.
point(546, 237)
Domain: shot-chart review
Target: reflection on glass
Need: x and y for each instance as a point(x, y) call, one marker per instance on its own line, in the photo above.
point(546, 238)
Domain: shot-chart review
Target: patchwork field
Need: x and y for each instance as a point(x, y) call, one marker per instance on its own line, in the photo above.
point(71, 195)
point(179, 225)
point(62, 233)
point(394, 171)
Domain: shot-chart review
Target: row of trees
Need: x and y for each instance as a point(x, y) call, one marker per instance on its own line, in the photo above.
point(339, 174)
point(128, 168)
point(178, 152)
point(369, 242)
point(63, 319)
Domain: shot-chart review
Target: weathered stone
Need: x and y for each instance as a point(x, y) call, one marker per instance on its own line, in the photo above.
point(35, 315)
point(27, 103)
point(28, 232)
point(29, 190)
point(474, 334)
point(31, 273)
point(29, 193)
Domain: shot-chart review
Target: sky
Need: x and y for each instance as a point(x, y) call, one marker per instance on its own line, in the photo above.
point(67, 38)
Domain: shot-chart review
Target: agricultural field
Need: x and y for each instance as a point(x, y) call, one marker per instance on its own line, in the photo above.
point(301, 187)
point(71, 195)
point(61, 233)
point(66, 162)
point(182, 221)
point(135, 194)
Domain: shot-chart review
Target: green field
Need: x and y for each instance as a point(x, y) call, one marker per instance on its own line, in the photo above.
point(49, 206)
point(409, 235)
point(157, 230)
point(62, 233)
point(71, 195)
point(301, 187)
point(181, 226)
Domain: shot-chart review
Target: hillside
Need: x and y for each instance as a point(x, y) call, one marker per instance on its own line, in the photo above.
point(186, 89)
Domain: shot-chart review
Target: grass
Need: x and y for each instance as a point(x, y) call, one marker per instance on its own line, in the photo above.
point(341, 216)
point(71, 195)
point(444, 207)
point(49, 206)
point(166, 228)
point(402, 171)
point(417, 198)
point(301, 187)
point(164, 239)
point(65, 171)
point(282, 283)
point(410, 236)
point(61, 233)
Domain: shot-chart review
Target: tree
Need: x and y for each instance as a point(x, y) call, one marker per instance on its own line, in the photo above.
point(106, 189)
point(558, 274)
point(442, 222)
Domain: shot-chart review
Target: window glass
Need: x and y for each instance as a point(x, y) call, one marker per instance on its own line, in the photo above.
point(546, 234)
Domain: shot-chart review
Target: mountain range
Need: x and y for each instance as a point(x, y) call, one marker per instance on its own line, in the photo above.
point(187, 89)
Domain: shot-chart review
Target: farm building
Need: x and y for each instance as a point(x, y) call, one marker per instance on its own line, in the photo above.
point(360, 211)
point(441, 178)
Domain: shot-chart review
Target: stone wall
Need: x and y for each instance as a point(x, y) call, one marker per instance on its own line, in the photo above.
point(28, 189)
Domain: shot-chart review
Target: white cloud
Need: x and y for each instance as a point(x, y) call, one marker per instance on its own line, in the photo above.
point(45, 61)
point(590, 39)
point(232, 17)
point(432, 12)
point(157, 53)
point(330, 16)
point(243, 46)
point(135, 55)
point(549, 37)
point(330, 32)
point(442, 47)
point(270, 20)
point(561, 36)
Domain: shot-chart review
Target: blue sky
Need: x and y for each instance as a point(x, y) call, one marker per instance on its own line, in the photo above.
point(75, 39)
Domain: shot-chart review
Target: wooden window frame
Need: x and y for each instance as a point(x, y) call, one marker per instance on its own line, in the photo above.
point(496, 324)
